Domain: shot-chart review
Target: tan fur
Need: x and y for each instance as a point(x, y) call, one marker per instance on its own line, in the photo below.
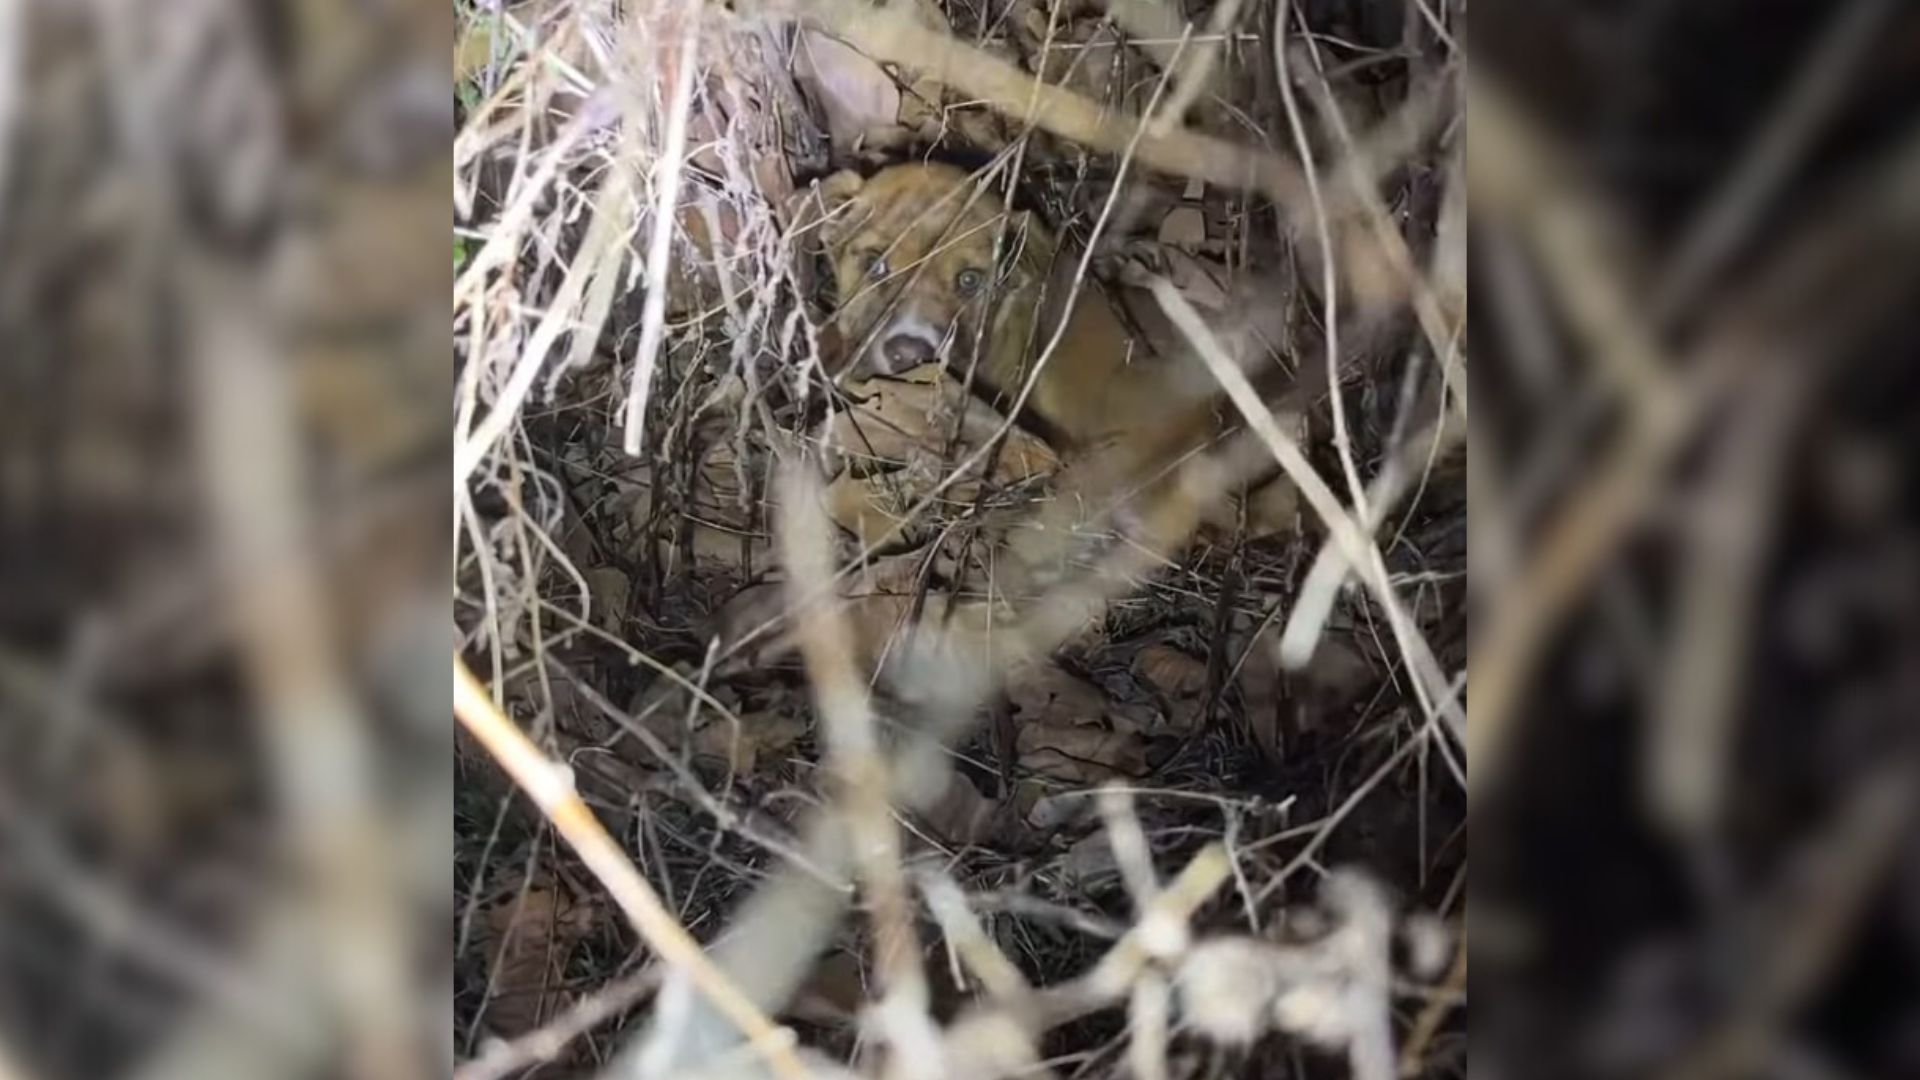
point(930, 224)
point(1120, 417)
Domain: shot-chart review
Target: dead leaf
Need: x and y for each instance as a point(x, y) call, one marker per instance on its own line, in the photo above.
point(534, 938)
point(743, 746)
point(1090, 862)
point(1171, 671)
point(980, 129)
point(736, 630)
point(611, 591)
point(833, 994)
point(867, 507)
point(879, 623)
point(1083, 55)
point(857, 97)
point(897, 421)
point(1081, 754)
point(1046, 693)
point(887, 574)
point(724, 522)
point(1180, 681)
point(1272, 510)
point(1184, 227)
point(1338, 674)
point(1261, 688)
point(962, 816)
point(1054, 813)
point(1202, 281)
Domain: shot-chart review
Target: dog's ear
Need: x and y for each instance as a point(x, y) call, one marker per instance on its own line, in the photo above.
point(823, 203)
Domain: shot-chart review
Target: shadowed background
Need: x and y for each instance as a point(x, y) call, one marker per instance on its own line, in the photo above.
point(1694, 539)
point(224, 739)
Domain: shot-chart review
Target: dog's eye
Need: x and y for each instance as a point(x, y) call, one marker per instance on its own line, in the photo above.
point(876, 266)
point(969, 281)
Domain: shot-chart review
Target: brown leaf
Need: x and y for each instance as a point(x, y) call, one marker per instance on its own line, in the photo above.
point(1081, 754)
point(963, 816)
point(1171, 671)
point(611, 591)
point(1338, 675)
point(1090, 862)
point(898, 421)
point(1203, 282)
point(1179, 680)
point(741, 747)
point(1046, 693)
point(534, 939)
point(1273, 509)
point(723, 521)
point(1184, 227)
point(833, 994)
point(1261, 689)
point(869, 507)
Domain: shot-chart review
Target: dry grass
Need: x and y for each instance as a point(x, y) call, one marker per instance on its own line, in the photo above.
point(636, 265)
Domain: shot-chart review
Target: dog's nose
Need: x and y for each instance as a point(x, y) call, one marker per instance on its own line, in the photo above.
point(905, 351)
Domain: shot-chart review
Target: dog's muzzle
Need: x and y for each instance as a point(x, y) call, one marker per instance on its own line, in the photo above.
point(905, 344)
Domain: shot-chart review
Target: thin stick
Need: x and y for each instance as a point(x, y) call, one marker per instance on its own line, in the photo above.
point(1773, 316)
point(1572, 549)
point(1688, 750)
point(1413, 1052)
point(10, 1067)
point(1785, 136)
point(550, 785)
point(13, 23)
point(1363, 175)
point(893, 36)
point(1324, 830)
point(504, 241)
point(1515, 172)
point(653, 312)
point(1851, 855)
point(1429, 685)
point(853, 750)
point(499, 1058)
point(1147, 1021)
point(1130, 850)
point(1329, 572)
point(1329, 271)
point(788, 919)
point(1001, 978)
point(1117, 970)
point(1195, 77)
point(315, 735)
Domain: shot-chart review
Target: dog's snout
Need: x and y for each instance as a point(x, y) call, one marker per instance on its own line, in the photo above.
point(905, 351)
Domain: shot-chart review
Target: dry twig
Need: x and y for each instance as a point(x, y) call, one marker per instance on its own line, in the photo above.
point(550, 786)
